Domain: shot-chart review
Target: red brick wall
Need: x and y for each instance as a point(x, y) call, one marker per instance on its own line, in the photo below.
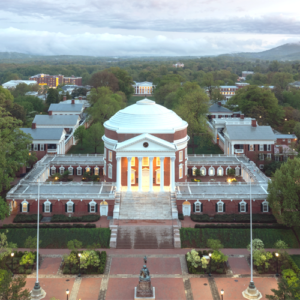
point(177, 163)
point(254, 155)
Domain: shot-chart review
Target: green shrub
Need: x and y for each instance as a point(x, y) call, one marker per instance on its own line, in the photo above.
point(220, 271)
point(13, 226)
point(64, 218)
point(28, 271)
point(58, 238)
point(294, 261)
point(241, 226)
point(66, 270)
point(180, 216)
point(21, 270)
point(26, 218)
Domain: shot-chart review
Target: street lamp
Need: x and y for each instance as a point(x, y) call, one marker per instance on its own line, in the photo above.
point(209, 254)
point(222, 293)
point(67, 292)
point(12, 263)
point(79, 255)
point(277, 255)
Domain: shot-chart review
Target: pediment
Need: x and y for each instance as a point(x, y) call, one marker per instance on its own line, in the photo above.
point(145, 143)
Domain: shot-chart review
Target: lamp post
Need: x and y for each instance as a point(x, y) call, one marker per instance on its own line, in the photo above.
point(12, 263)
point(37, 292)
point(67, 292)
point(277, 255)
point(209, 274)
point(79, 255)
point(251, 292)
point(222, 293)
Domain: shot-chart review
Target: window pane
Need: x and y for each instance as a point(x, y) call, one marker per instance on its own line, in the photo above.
point(145, 161)
point(92, 208)
point(96, 171)
point(70, 207)
point(24, 207)
point(158, 161)
point(133, 161)
point(158, 177)
point(220, 207)
point(180, 155)
point(180, 172)
point(47, 207)
point(243, 207)
point(87, 169)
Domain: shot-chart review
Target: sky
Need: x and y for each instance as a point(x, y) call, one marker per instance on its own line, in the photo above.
point(147, 27)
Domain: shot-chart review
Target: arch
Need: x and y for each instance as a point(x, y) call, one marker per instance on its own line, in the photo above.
point(87, 169)
point(265, 206)
point(186, 208)
point(198, 206)
point(92, 207)
point(61, 170)
point(47, 206)
point(79, 171)
point(103, 208)
point(53, 170)
point(220, 206)
point(96, 171)
point(24, 206)
point(211, 171)
point(194, 170)
point(220, 171)
point(237, 171)
point(228, 168)
point(71, 170)
point(70, 206)
point(243, 207)
point(203, 171)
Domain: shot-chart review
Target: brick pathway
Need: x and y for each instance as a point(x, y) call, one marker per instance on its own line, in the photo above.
point(239, 265)
point(50, 266)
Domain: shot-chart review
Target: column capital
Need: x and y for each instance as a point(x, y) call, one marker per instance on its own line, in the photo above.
point(129, 158)
point(172, 158)
point(151, 158)
point(140, 158)
point(118, 158)
point(161, 157)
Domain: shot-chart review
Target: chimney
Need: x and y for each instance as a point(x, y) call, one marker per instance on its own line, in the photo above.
point(50, 112)
point(33, 126)
point(80, 97)
point(73, 101)
point(253, 123)
point(64, 98)
point(242, 116)
point(219, 103)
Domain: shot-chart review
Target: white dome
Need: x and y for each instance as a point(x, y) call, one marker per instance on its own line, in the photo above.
point(145, 117)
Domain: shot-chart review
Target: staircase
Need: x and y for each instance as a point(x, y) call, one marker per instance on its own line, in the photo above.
point(145, 206)
point(145, 237)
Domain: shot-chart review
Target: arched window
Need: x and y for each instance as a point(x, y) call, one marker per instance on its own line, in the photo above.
point(87, 169)
point(70, 169)
point(24, 206)
point(265, 206)
point(237, 171)
point(203, 171)
point(220, 171)
point(61, 170)
point(243, 207)
point(180, 171)
point(198, 206)
point(157, 176)
point(228, 168)
point(53, 170)
point(194, 171)
point(96, 171)
point(211, 171)
point(92, 208)
point(220, 207)
point(70, 207)
point(79, 171)
point(157, 161)
point(109, 171)
point(47, 207)
point(104, 168)
point(133, 161)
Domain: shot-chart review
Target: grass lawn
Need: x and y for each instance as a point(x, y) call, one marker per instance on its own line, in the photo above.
point(205, 147)
point(133, 99)
point(296, 259)
point(235, 238)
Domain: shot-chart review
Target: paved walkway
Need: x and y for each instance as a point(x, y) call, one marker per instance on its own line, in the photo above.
point(169, 277)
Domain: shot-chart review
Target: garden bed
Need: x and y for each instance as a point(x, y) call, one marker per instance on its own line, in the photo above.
point(85, 218)
point(234, 218)
point(241, 226)
point(54, 238)
point(93, 266)
point(14, 226)
point(235, 238)
point(26, 218)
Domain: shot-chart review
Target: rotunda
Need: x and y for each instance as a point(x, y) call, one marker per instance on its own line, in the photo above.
point(145, 148)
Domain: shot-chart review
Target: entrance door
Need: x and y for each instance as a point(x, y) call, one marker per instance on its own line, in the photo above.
point(145, 177)
point(186, 210)
point(103, 210)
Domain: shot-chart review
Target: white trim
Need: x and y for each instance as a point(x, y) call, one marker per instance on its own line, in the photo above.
point(213, 171)
point(180, 170)
point(70, 203)
point(87, 169)
point(42, 147)
point(24, 202)
point(35, 147)
point(198, 203)
point(220, 173)
point(265, 205)
point(194, 169)
point(228, 168)
point(204, 171)
point(244, 204)
point(109, 155)
point(237, 171)
point(71, 170)
point(96, 170)
point(109, 171)
point(53, 169)
point(92, 204)
point(79, 171)
point(181, 155)
point(47, 203)
point(61, 170)
point(218, 206)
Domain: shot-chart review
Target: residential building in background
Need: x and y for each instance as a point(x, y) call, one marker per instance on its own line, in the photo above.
point(178, 65)
point(13, 83)
point(143, 88)
point(54, 80)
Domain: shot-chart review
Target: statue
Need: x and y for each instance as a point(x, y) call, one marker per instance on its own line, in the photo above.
point(144, 290)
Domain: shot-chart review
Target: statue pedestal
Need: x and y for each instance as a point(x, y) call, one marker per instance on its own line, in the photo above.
point(252, 294)
point(144, 290)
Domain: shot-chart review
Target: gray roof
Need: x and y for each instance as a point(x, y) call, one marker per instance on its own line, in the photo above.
point(65, 120)
point(247, 132)
point(217, 108)
point(285, 136)
point(44, 133)
point(65, 107)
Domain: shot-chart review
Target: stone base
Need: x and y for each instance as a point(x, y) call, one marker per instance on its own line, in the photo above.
point(37, 294)
point(144, 298)
point(252, 294)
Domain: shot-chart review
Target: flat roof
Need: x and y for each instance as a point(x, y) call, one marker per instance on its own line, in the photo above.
point(65, 120)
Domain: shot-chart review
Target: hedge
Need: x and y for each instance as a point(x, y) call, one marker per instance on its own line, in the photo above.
point(26, 218)
point(85, 218)
point(58, 238)
point(241, 226)
point(297, 232)
point(235, 238)
point(295, 262)
point(180, 216)
point(14, 226)
point(234, 218)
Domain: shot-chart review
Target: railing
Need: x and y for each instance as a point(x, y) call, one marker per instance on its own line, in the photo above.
point(221, 196)
point(104, 184)
point(239, 150)
point(68, 196)
point(194, 184)
point(213, 162)
point(214, 155)
point(51, 150)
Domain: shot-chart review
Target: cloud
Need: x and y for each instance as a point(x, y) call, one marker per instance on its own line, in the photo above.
point(57, 43)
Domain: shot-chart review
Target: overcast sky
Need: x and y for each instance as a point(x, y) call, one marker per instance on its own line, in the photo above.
point(146, 27)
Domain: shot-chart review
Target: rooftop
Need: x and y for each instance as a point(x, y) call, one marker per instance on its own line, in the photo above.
point(54, 134)
point(219, 108)
point(66, 120)
point(66, 108)
point(250, 133)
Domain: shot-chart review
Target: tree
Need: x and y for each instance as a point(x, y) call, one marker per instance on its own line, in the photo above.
point(281, 80)
point(12, 288)
point(79, 92)
point(105, 79)
point(94, 135)
point(296, 130)
point(194, 258)
point(80, 134)
point(104, 104)
point(214, 244)
point(89, 258)
point(161, 93)
point(52, 96)
point(36, 103)
point(31, 243)
point(21, 89)
point(74, 245)
point(209, 83)
point(18, 112)
point(5, 247)
point(6, 98)
point(254, 102)
point(216, 95)
point(284, 191)
point(124, 80)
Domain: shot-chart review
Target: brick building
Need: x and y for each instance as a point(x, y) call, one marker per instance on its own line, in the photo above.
point(53, 81)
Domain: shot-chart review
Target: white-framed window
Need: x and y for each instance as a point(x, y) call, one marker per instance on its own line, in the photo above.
point(265, 206)
point(35, 147)
point(186, 152)
point(110, 155)
point(197, 206)
point(70, 169)
point(269, 156)
point(220, 171)
point(157, 161)
point(110, 171)
point(92, 205)
point(211, 171)
point(25, 206)
point(268, 147)
point(283, 140)
point(96, 171)
point(276, 157)
point(133, 161)
point(104, 168)
point(261, 156)
point(243, 206)
point(261, 147)
point(87, 169)
point(180, 171)
point(289, 140)
point(79, 171)
point(53, 170)
point(194, 170)
point(61, 170)
point(145, 162)
point(261, 167)
point(157, 176)
point(42, 147)
point(185, 167)
point(47, 206)
point(180, 155)
point(70, 207)
point(251, 147)
point(220, 207)
point(228, 168)
point(203, 171)
point(132, 176)
point(237, 171)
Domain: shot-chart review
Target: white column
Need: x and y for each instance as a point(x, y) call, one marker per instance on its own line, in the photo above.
point(232, 149)
point(129, 174)
point(119, 174)
point(57, 148)
point(172, 174)
point(151, 174)
point(140, 173)
point(162, 174)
